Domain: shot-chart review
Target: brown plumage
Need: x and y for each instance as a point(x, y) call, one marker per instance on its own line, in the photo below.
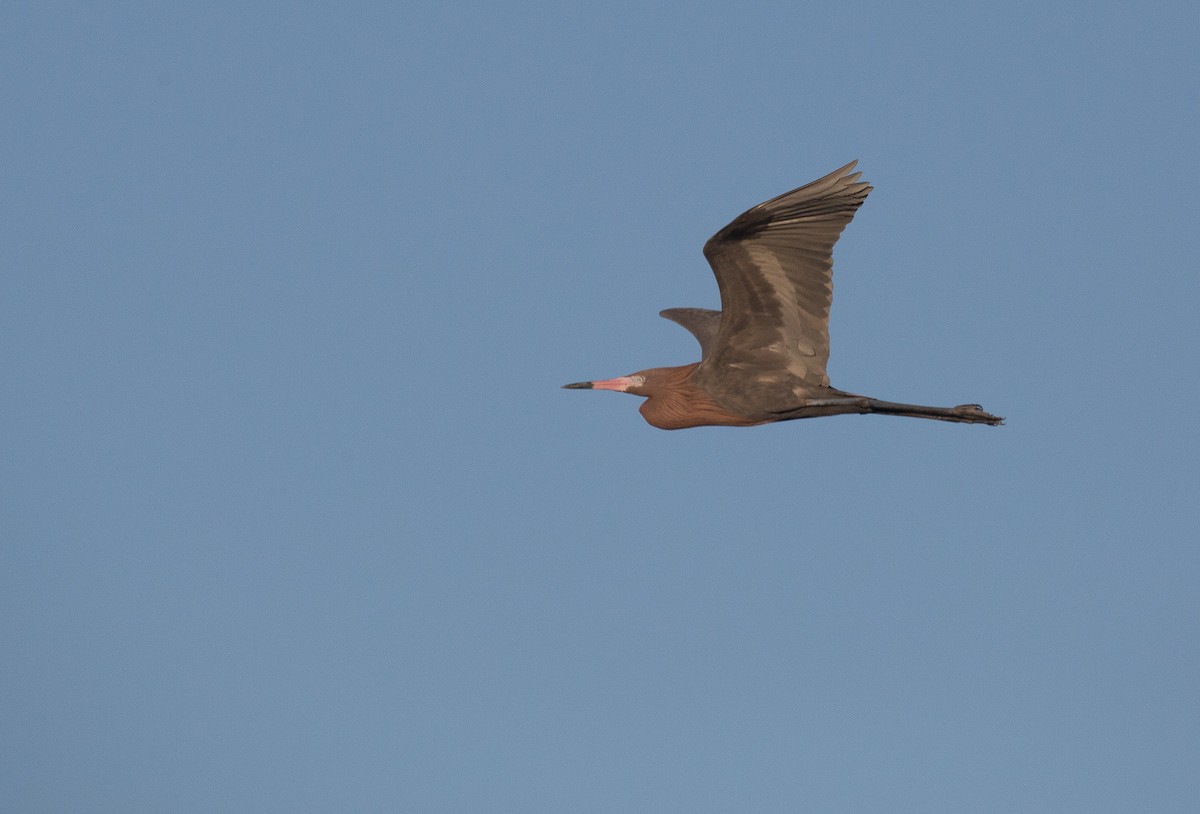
point(764, 353)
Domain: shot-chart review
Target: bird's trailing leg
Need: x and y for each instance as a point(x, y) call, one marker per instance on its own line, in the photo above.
point(963, 413)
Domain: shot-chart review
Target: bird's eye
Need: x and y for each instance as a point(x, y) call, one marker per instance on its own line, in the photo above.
point(638, 379)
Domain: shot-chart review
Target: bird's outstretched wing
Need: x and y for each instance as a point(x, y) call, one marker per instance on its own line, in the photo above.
point(702, 322)
point(774, 266)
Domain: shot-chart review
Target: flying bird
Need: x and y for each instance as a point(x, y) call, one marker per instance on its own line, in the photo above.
point(763, 355)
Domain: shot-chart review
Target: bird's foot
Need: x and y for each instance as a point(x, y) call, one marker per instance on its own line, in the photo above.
point(976, 411)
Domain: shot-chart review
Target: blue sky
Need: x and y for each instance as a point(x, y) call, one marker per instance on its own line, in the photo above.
point(296, 517)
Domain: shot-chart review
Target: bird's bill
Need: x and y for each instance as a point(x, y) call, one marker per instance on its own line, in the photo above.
point(620, 384)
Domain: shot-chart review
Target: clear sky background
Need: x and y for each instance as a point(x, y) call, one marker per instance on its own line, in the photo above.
point(296, 518)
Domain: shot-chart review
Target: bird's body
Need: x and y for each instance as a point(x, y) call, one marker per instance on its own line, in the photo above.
point(764, 353)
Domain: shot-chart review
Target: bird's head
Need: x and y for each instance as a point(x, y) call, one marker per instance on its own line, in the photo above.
point(657, 381)
point(672, 400)
point(639, 384)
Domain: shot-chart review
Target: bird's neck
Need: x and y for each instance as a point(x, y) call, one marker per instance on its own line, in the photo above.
point(677, 403)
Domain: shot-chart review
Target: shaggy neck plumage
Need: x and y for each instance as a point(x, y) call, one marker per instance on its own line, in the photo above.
point(674, 403)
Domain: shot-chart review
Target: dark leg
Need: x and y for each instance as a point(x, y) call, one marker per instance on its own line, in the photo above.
point(963, 413)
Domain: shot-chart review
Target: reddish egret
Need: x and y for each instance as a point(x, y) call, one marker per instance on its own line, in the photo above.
point(763, 354)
